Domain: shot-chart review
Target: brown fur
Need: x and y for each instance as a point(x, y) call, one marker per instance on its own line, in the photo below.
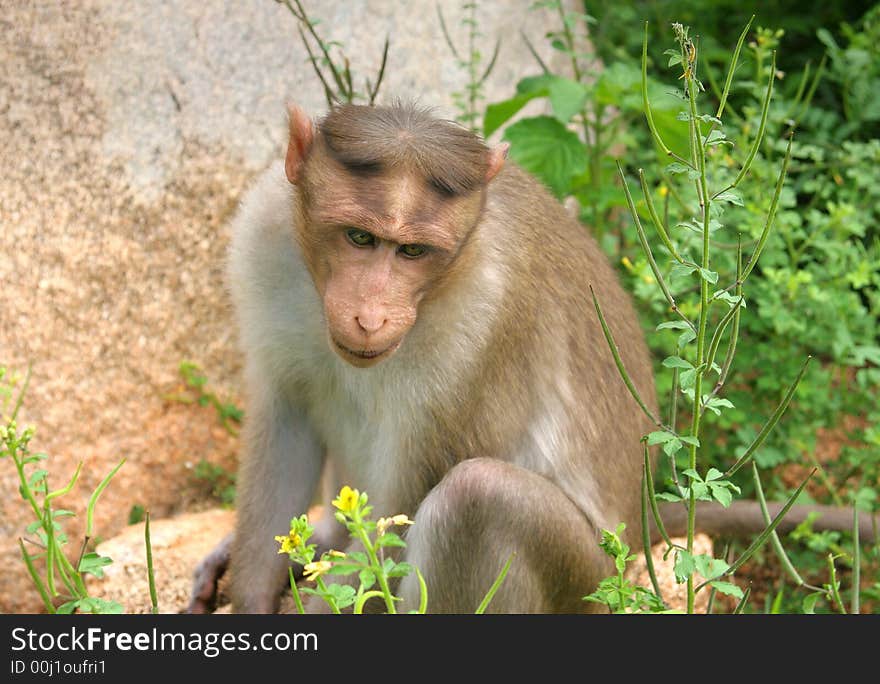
point(496, 418)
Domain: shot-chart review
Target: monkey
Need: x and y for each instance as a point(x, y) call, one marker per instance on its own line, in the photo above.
point(415, 315)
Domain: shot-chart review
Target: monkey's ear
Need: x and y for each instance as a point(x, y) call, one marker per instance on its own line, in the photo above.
point(302, 134)
point(497, 155)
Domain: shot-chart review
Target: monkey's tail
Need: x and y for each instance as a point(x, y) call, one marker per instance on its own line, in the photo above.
point(744, 518)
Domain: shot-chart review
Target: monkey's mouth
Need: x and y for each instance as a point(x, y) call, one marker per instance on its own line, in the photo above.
point(365, 354)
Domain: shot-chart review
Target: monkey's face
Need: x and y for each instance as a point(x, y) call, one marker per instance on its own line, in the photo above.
point(376, 247)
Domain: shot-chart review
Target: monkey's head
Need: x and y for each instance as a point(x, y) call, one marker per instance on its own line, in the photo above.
point(388, 199)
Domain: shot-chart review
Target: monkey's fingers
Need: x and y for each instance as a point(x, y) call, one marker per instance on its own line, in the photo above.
point(207, 576)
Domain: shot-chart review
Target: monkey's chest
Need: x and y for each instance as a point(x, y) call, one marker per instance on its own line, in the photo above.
point(364, 443)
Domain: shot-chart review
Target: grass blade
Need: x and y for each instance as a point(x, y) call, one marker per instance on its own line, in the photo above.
point(771, 214)
point(38, 583)
point(759, 541)
point(855, 608)
point(93, 499)
point(765, 110)
point(658, 224)
point(494, 588)
point(619, 362)
point(646, 538)
point(423, 593)
point(771, 422)
point(739, 43)
point(151, 577)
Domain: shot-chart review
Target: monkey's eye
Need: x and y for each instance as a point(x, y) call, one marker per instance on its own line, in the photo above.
point(412, 251)
point(361, 238)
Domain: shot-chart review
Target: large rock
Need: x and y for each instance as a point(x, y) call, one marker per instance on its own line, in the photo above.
point(129, 131)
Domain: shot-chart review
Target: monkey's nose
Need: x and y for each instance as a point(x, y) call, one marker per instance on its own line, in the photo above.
point(370, 323)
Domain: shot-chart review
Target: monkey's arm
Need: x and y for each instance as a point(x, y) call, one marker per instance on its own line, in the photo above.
point(279, 472)
point(203, 598)
point(743, 518)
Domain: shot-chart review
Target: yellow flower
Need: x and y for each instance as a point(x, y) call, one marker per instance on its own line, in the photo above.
point(347, 500)
point(289, 543)
point(312, 571)
point(663, 190)
point(336, 554)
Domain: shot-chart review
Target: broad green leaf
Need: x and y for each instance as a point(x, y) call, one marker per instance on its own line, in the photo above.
point(672, 447)
point(547, 149)
point(500, 113)
point(709, 276)
point(730, 196)
point(673, 325)
point(567, 98)
point(367, 578)
point(680, 270)
point(709, 567)
point(727, 588)
point(390, 539)
point(684, 565)
point(94, 563)
point(400, 570)
point(676, 362)
point(659, 437)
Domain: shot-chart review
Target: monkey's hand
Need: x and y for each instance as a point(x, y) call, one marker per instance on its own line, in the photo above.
point(207, 575)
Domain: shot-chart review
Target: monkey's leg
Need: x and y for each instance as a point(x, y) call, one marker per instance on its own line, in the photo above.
point(482, 511)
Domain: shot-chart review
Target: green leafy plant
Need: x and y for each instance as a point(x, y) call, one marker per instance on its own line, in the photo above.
point(467, 100)
point(219, 481)
point(338, 81)
point(374, 569)
point(617, 592)
point(56, 575)
point(198, 392)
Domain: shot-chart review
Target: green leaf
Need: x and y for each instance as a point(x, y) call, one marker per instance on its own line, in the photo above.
point(36, 477)
point(94, 564)
point(343, 594)
point(692, 474)
point(672, 447)
point(400, 570)
point(499, 113)
point(730, 196)
point(676, 362)
point(343, 569)
point(367, 578)
point(567, 98)
point(715, 404)
point(680, 270)
point(728, 588)
point(668, 496)
point(687, 439)
point(659, 437)
point(673, 325)
point(714, 474)
point(709, 567)
point(708, 276)
point(390, 539)
point(359, 557)
point(546, 148)
point(809, 604)
point(678, 167)
point(684, 565)
point(721, 494)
